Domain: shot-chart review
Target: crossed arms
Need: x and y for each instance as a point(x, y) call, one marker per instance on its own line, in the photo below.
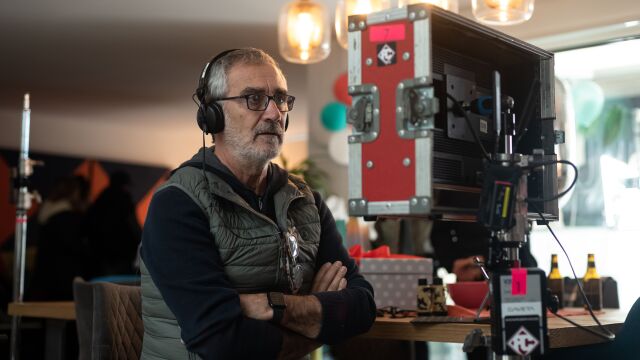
point(215, 322)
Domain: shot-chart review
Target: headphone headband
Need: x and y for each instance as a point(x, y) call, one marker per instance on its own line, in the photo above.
point(201, 91)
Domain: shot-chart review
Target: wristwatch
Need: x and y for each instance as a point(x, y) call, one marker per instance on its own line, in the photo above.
point(276, 301)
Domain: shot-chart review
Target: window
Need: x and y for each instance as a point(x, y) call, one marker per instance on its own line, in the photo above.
point(598, 105)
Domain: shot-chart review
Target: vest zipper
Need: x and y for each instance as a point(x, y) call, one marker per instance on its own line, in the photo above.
point(260, 203)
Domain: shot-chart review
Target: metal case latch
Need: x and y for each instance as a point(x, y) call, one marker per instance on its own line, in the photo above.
point(364, 115)
point(416, 108)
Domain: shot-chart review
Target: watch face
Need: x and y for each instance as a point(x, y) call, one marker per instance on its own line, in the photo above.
point(276, 299)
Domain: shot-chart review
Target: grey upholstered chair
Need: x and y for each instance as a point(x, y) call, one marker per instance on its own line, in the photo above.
point(109, 320)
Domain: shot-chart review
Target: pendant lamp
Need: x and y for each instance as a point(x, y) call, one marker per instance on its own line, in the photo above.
point(502, 12)
point(304, 33)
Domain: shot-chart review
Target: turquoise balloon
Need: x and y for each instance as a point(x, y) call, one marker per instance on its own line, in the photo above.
point(334, 116)
point(588, 101)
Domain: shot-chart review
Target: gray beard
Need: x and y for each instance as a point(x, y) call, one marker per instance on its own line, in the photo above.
point(247, 153)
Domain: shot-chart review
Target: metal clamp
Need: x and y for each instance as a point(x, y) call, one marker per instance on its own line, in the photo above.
point(364, 115)
point(358, 207)
point(420, 205)
point(416, 107)
point(476, 339)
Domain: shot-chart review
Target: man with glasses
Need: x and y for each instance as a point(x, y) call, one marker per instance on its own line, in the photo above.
point(239, 258)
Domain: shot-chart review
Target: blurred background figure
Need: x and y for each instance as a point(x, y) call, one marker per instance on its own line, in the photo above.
point(114, 233)
point(62, 242)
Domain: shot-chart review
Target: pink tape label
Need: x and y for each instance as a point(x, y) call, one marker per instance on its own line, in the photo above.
point(519, 281)
point(381, 33)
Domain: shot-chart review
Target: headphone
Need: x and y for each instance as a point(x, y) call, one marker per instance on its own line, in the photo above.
point(210, 116)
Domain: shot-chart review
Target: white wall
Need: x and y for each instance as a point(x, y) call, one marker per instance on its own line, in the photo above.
point(164, 133)
point(321, 77)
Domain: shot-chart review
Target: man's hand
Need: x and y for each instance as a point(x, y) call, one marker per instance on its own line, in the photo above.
point(303, 314)
point(256, 306)
point(330, 277)
point(466, 269)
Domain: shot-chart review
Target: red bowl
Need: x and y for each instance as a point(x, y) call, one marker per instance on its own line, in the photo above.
point(468, 294)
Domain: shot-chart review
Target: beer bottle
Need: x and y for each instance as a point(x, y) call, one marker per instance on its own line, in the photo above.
point(592, 284)
point(555, 282)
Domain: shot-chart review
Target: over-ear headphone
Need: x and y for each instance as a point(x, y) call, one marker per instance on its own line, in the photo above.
point(210, 116)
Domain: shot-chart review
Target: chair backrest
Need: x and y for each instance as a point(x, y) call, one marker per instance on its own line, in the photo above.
point(117, 328)
point(83, 297)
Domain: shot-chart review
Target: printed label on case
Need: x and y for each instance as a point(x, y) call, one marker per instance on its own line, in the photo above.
point(380, 33)
point(484, 127)
point(518, 281)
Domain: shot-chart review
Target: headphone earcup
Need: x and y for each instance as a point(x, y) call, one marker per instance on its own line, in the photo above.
point(201, 118)
point(211, 118)
point(215, 118)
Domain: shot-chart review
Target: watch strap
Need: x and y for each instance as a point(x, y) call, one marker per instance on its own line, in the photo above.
point(276, 302)
point(278, 314)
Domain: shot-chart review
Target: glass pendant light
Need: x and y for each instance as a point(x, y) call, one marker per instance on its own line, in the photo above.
point(304, 33)
point(346, 8)
point(451, 5)
point(502, 12)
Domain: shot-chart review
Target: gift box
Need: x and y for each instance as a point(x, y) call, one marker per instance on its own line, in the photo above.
point(395, 280)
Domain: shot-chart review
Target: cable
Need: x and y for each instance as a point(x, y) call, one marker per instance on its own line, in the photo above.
point(473, 131)
point(608, 335)
point(560, 194)
point(526, 114)
point(596, 333)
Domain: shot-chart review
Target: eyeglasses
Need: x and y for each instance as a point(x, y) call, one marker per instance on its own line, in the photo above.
point(293, 269)
point(260, 102)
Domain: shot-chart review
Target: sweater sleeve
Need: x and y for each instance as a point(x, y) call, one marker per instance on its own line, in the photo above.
point(178, 250)
point(351, 311)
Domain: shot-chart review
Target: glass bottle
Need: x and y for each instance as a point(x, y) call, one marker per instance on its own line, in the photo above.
point(592, 284)
point(555, 281)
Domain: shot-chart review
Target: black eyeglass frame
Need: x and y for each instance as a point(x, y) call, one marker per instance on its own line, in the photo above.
point(287, 99)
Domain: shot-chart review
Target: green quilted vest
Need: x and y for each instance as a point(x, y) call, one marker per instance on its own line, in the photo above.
point(250, 244)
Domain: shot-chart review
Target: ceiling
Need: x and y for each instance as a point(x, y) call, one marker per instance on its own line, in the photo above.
point(93, 64)
point(86, 55)
point(122, 67)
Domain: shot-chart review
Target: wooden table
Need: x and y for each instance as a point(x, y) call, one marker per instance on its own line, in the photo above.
point(56, 315)
point(561, 333)
point(59, 310)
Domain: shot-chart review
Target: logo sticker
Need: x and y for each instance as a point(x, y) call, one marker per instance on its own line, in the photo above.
point(522, 342)
point(386, 54)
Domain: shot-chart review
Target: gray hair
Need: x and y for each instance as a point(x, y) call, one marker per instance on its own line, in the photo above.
point(217, 81)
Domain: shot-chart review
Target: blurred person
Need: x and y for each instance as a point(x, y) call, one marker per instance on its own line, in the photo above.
point(241, 259)
point(114, 232)
point(62, 245)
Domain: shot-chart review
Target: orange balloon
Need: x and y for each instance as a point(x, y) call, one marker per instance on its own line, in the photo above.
point(340, 89)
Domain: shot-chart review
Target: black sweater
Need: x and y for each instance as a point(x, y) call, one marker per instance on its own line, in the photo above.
point(178, 249)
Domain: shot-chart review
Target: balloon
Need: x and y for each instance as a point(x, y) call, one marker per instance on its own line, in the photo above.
point(339, 147)
point(334, 116)
point(340, 89)
point(588, 101)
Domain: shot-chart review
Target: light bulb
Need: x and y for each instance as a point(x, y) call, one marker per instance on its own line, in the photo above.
point(502, 12)
point(304, 32)
point(346, 8)
point(451, 5)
